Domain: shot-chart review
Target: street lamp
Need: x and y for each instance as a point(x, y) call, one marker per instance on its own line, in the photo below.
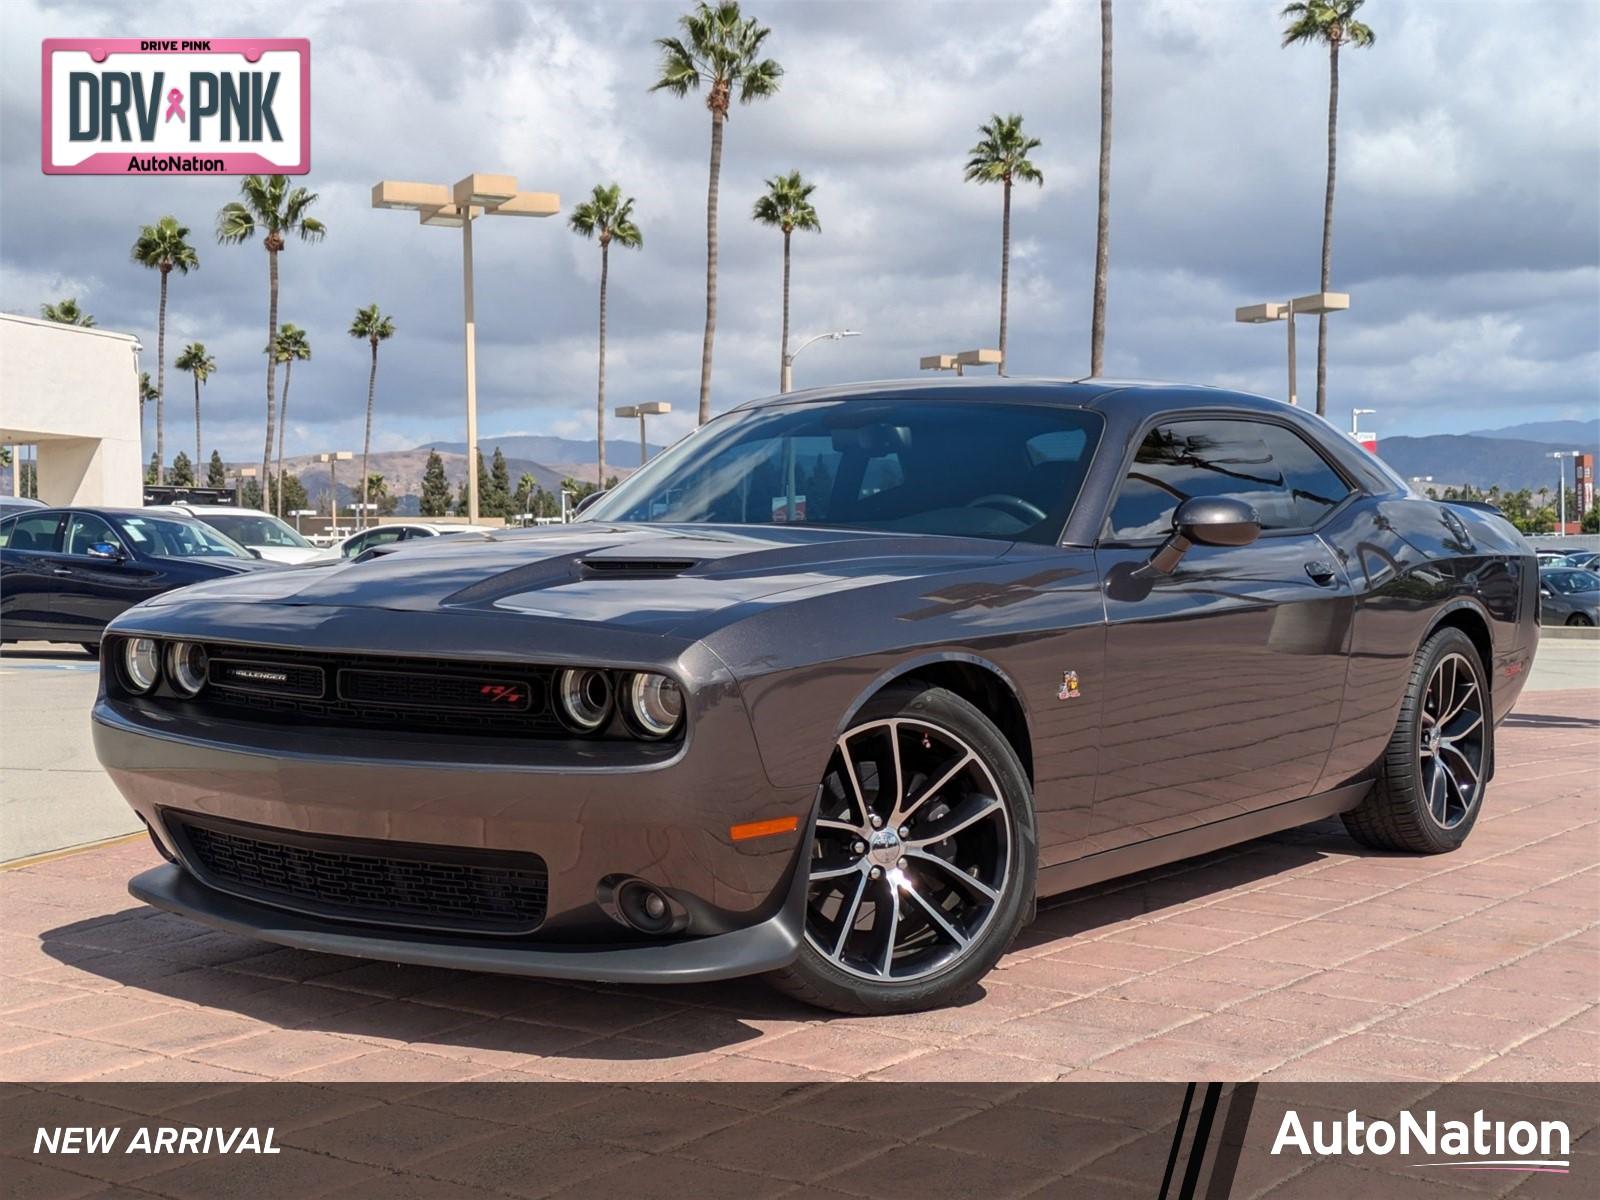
point(473, 197)
point(333, 458)
point(566, 493)
point(959, 362)
point(1315, 304)
point(786, 377)
point(1561, 482)
point(653, 409)
point(301, 512)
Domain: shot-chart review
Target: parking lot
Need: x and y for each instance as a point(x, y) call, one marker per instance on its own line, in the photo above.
point(1300, 956)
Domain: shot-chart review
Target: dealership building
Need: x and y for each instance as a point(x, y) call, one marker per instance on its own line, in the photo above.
point(72, 395)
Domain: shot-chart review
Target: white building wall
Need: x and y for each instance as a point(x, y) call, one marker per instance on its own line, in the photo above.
point(74, 394)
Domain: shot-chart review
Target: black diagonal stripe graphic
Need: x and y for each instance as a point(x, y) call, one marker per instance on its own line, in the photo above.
point(1177, 1140)
point(1230, 1144)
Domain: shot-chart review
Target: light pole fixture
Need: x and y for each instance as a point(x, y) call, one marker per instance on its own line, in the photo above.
point(654, 408)
point(1367, 440)
point(458, 207)
point(983, 357)
point(566, 493)
point(1313, 305)
point(333, 458)
point(1561, 483)
point(786, 380)
point(301, 512)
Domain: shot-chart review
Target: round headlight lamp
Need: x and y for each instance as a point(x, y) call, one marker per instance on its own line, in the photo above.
point(584, 697)
point(186, 667)
point(141, 664)
point(654, 704)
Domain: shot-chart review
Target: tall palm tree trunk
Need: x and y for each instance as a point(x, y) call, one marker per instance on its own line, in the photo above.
point(1102, 235)
point(711, 267)
point(272, 365)
point(283, 423)
point(783, 354)
point(366, 444)
point(600, 394)
point(197, 425)
point(1327, 226)
point(1005, 270)
point(161, 380)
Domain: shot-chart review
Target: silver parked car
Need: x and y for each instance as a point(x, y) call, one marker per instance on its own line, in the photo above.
point(1568, 596)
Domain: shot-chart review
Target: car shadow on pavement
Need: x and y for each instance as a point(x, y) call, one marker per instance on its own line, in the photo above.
point(1521, 720)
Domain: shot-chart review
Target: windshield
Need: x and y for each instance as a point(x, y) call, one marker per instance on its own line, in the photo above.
point(1571, 583)
point(256, 529)
point(171, 537)
point(959, 468)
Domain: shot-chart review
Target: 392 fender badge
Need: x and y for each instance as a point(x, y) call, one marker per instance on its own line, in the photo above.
point(1069, 686)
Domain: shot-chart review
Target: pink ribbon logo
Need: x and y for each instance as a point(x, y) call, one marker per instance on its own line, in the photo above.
point(175, 105)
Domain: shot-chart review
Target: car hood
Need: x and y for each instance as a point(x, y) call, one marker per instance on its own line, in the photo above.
point(655, 578)
point(288, 554)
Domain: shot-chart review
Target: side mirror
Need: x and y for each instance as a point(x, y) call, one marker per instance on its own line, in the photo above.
point(1544, 591)
point(1205, 521)
point(589, 500)
point(107, 551)
point(254, 553)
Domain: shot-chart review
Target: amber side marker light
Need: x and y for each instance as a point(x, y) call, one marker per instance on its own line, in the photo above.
point(760, 829)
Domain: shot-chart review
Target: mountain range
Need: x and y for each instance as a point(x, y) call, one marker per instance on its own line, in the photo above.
point(1512, 458)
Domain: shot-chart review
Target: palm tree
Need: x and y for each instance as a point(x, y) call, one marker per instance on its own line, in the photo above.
point(607, 216)
point(787, 205)
point(147, 393)
point(163, 247)
point(1333, 23)
point(719, 49)
point(268, 203)
point(1002, 157)
point(289, 346)
point(198, 363)
point(369, 323)
point(66, 312)
point(1102, 231)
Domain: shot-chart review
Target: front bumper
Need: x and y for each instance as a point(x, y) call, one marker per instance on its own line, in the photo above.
point(765, 946)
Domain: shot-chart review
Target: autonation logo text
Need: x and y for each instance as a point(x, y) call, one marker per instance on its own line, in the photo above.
point(1476, 1145)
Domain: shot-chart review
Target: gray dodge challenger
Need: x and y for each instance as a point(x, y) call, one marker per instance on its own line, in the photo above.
point(833, 691)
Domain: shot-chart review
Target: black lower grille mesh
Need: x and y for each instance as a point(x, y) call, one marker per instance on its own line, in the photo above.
point(432, 887)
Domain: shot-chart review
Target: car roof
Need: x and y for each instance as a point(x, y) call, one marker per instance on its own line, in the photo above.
point(102, 510)
point(208, 509)
point(1090, 393)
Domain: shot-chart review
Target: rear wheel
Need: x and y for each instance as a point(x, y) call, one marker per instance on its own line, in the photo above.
point(923, 858)
point(1579, 619)
point(1431, 782)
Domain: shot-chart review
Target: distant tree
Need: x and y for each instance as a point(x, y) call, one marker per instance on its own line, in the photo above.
point(720, 50)
point(500, 486)
point(1591, 519)
point(290, 495)
point(147, 393)
point(201, 365)
point(378, 492)
point(786, 206)
point(435, 487)
point(461, 499)
point(250, 494)
point(165, 247)
point(152, 472)
point(290, 346)
point(1001, 156)
point(373, 327)
point(609, 218)
point(182, 471)
point(216, 472)
point(522, 498)
point(485, 486)
point(66, 312)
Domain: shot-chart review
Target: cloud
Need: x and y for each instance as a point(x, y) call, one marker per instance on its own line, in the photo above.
point(1466, 228)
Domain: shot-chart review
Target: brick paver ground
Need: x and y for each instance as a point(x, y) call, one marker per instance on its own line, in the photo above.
point(1299, 957)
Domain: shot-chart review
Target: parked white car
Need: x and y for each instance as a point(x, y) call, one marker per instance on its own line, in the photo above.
point(264, 534)
point(405, 531)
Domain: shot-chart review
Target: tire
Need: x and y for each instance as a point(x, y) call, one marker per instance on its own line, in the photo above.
point(1579, 619)
point(1421, 801)
point(957, 869)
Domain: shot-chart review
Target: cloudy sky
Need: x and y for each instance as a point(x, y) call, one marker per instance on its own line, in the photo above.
point(1466, 226)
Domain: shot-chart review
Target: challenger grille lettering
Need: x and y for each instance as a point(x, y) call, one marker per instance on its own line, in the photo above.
point(255, 675)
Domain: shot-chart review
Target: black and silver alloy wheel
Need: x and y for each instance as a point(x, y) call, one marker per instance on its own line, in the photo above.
point(1451, 740)
point(1431, 779)
point(921, 857)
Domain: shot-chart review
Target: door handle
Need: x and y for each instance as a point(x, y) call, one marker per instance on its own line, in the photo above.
point(1322, 574)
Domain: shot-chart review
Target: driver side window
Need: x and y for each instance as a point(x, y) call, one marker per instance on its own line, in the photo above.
point(85, 530)
point(1267, 466)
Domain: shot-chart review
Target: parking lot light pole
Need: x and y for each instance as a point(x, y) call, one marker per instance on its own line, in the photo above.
point(654, 408)
point(459, 206)
point(1561, 483)
point(983, 357)
point(787, 382)
point(1313, 305)
point(301, 512)
point(333, 458)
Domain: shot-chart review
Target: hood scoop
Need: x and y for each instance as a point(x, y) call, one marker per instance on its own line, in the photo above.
point(597, 567)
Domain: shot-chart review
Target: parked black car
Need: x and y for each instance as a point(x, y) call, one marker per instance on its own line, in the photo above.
point(833, 689)
point(1569, 596)
point(65, 572)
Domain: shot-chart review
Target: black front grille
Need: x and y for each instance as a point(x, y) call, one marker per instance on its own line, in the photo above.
point(422, 887)
point(407, 695)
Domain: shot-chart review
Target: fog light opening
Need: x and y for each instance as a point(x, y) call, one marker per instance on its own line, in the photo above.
point(644, 908)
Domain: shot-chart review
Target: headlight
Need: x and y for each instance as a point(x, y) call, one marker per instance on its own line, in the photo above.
point(186, 667)
point(141, 663)
point(584, 696)
point(654, 704)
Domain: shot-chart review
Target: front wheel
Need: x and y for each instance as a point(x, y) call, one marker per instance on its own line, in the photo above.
point(923, 859)
point(1579, 619)
point(1430, 785)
